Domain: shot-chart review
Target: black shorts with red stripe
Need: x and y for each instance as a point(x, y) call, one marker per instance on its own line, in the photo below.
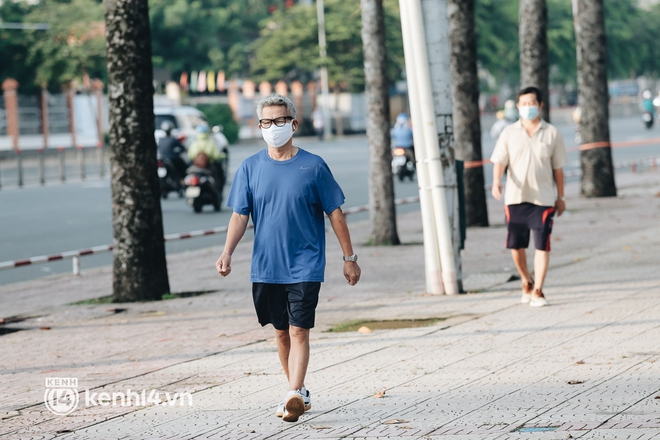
point(523, 217)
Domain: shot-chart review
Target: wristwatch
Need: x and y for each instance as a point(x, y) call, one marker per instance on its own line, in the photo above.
point(351, 258)
point(562, 198)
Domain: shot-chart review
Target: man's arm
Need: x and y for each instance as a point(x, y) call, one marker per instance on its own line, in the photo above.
point(498, 172)
point(560, 205)
point(352, 271)
point(235, 230)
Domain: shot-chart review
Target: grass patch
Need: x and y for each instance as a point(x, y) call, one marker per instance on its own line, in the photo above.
point(108, 299)
point(390, 324)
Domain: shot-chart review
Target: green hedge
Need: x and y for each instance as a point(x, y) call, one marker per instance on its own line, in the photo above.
point(221, 114)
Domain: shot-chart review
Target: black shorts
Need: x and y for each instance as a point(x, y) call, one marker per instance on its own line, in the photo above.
point(521, 218)
point(284, 304)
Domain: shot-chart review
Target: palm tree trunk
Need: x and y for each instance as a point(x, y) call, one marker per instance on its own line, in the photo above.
point(596, 153)
point(534, 70)
point(140, 269)
point(465, 92)
point(381, 182)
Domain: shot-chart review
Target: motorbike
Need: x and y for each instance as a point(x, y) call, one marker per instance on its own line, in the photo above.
point(169, 178)
point(647, 118)
point(403, 163)
point(200, 189)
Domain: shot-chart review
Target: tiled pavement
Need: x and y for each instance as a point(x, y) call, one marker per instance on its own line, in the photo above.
point(494, 369)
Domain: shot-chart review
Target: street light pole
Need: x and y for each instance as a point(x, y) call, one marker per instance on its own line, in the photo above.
point(320, 13)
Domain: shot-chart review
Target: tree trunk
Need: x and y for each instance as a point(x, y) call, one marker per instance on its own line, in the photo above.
point(465, 92)
point(140, 269)
point(381, 182)
point(534, 70)
point(596, 152)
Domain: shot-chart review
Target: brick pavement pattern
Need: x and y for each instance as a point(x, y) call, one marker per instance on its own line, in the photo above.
point(585, 367)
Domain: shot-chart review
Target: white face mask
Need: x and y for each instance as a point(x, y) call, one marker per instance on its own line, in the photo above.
point(529, 112)
point(277, 137)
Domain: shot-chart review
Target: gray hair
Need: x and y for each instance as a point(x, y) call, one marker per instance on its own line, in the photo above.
point(276, 100)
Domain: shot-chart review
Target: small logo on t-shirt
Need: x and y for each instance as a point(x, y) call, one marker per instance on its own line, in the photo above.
point(305, 168)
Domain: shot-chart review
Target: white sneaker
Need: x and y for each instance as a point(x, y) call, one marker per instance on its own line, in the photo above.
point(279, 412)
point(294, 406)
point(538, 299)
point(307, 398)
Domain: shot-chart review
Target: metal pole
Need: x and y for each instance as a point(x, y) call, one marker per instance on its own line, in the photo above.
point(19, 163)
point(42, 167)
point(320, 14)
point(76, 266)
point(100, 158)
point(81, 161)
point(62, 165)
point(431, 251)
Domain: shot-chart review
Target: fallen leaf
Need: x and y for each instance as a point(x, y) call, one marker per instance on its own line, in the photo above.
point(380, 394)
point(657, 397)
point(405, 427)
point(579, 363)
point(575, 382)
point(116, 310)
point(364, 329)
point(394, 421)
point(44, 328)
point(221, 335)
point(250, 431)
point(321, 427)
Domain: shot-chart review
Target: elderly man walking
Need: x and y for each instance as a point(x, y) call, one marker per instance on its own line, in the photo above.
point(534, 152)
point(286, 190)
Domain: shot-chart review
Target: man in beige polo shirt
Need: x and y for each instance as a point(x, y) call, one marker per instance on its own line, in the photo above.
point(534, 152)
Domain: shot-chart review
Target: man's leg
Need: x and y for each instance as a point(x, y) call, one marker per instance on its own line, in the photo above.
point(520, 260)
point(283, 349)
point(541, 261)
point(298, 357)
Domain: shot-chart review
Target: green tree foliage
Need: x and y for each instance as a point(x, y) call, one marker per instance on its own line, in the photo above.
point(72, 46)
point(288, 47)
point(207, 34)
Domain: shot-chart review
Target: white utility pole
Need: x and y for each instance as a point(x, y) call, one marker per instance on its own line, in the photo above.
point(431, 251)
point(436, 219)
point(436, 27)
point(320, 14)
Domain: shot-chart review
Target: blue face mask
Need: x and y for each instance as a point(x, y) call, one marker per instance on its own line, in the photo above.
point(529, 112)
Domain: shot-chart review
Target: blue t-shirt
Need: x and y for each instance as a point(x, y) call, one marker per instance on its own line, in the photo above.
point(286, 200)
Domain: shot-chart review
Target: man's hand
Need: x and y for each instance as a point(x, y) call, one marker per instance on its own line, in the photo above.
point(352, 272)
point(223, 265)
point(497, 190)
point(560, 207)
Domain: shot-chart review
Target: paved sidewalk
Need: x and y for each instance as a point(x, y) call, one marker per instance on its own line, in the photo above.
point(585, 367)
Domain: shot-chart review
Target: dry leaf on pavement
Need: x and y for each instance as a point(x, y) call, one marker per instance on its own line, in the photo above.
point(380, 394)
point(575, 382)
point(394, 421)
point(364, 329)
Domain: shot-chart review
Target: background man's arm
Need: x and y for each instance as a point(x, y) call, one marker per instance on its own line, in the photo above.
point(498, 173)
point(352, 271)
point(235, 230)
point(560, 205)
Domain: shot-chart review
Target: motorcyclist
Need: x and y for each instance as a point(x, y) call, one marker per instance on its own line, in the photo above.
point(205, 154)
point(171, 148)
point(647, 102)
point(402, 135)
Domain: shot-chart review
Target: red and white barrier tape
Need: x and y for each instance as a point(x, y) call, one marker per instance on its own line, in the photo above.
point(168, 237)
